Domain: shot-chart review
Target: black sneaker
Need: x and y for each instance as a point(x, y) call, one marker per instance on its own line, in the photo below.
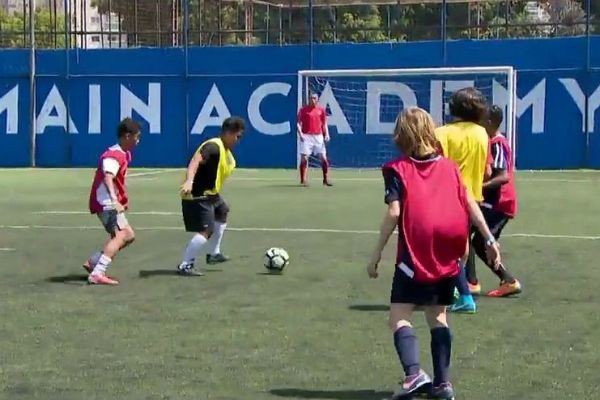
point(212, 259)
point(187, 269)
point(444, 391)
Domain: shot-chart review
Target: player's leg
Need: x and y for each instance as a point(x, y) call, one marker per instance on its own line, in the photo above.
point(441, 347)
point(122, 234)
point(198, 218)
point(306, 149)
point(404, 293)
point(465, 303)
point(470, 269)
point(441, 338)
point(214, 255)
point(509, 285)
point(92, 260)
point(321, 151)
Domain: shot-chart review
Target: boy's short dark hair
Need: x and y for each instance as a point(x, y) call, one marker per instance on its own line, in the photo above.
point(495, 117)
point(469, 105)
point(126, 126)
point(233, 124)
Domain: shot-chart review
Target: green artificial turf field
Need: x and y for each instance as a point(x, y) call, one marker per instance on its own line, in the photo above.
point(319, 331)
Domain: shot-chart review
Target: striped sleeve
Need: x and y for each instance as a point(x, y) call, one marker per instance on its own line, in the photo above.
point(499, 156)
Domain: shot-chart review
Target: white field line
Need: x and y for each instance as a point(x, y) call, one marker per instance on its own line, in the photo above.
point(7, 249)
point(150, 173)
point(258, 179)
point(292, 230)
point(88, 213)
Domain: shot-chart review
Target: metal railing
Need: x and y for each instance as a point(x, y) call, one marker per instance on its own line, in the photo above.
point(161, 23)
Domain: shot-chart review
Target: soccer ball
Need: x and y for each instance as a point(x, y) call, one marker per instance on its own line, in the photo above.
point(276, 260)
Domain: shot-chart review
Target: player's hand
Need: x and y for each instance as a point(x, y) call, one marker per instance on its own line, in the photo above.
point(118, 207)
point(373, 266)
point(493, 255)
point(372, 270)
point(186, 188)
point(327, 138)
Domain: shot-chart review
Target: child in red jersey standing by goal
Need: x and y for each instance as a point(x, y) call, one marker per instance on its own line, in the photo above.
point(431, 207)
point(109, 201)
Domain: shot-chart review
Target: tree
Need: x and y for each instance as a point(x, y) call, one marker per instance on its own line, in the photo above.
point(49, 30)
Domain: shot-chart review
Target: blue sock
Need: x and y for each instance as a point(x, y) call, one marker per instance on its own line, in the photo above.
point(407, 348)
point(441, 350)
point(462, 284)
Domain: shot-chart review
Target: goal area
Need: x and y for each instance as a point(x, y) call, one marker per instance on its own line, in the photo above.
point(363, 104)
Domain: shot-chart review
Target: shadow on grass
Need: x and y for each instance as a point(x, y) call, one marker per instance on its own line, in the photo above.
point(70, 279)
point(331, 394)
point(171, 272)
point(370, 307)
point(270, 273)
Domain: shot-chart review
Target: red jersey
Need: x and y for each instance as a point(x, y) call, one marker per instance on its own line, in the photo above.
point(434, 224)
point(115, 161)
point(312, 120)
point(503, 198)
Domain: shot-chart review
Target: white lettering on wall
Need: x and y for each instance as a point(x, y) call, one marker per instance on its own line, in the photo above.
point(438, 104)
point(254, 115)
point(375, 90)
point(214, 102)
point(54, 102)
point(149, 111)
point(9, 102)
point(578, 97)
point(337, 117)
point(94, 110)
point(534, 99)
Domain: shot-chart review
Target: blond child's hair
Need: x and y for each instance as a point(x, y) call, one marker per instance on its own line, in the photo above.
point(414, 133)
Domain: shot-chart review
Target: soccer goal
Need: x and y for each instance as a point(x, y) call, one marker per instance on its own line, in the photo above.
point(362, 104)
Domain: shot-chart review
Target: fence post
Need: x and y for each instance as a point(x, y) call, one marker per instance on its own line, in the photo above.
point(186, 82)
point(311, 31)
point(587, 84)
point(32, 74)
point(444, 32)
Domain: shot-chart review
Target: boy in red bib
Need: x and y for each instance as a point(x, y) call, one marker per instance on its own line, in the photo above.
point(109, 200)
point(499, 203)
point(429, 204)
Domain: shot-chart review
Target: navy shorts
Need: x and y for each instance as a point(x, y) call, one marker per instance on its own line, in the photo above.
point(407, 290)
point(199, 215)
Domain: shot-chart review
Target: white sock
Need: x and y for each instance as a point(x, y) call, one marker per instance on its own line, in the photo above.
point(94, 258)
point(214, 244)
point(103, 263)
point(193, 248)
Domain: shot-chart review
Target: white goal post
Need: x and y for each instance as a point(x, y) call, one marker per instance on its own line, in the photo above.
point(363, 104)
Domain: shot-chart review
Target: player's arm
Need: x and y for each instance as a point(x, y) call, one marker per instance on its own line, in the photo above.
point(110, 167)
point(393, 193)
point(499, 168)
point(324, 126)
point(199, 158)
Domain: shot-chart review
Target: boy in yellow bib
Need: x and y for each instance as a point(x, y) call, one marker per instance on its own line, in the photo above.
point(204, 210)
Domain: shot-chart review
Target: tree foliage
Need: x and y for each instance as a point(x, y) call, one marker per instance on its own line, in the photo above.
point(216, 22)
point(49, 30)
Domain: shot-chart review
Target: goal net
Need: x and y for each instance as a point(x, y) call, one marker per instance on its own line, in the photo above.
point(362, 105)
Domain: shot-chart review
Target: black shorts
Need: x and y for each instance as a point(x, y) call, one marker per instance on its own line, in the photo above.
point(406, 290)
point(199, 215)
point(495, 220)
